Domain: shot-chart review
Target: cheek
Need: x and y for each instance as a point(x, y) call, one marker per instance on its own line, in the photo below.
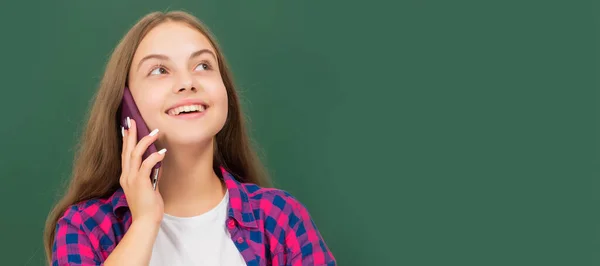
point(223, 98)
point(223, 103)
point(150, 108)
point(217, 92)
point(220, 103)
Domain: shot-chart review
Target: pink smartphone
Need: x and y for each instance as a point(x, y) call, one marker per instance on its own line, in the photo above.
point(129, 109)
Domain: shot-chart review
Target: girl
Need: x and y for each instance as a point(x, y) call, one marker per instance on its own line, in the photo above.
point(211, 205)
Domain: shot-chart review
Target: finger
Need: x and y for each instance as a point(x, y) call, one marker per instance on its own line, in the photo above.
point(141, 147)
point(124, 156)
point(123, 146)
point(147, 166)
point(131, 142)
point(129, 134)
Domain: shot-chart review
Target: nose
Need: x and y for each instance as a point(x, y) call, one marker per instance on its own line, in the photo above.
point(191, 88)
point(186, 83)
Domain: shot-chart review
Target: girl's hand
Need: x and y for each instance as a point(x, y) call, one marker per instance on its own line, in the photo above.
point(144, 202)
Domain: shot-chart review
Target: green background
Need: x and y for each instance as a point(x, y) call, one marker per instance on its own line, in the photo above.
point(416, 132)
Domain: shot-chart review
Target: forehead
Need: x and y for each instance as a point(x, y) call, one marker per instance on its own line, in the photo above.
point(172, 38)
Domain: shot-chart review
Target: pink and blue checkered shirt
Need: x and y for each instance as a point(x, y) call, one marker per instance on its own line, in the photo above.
point(268, 226)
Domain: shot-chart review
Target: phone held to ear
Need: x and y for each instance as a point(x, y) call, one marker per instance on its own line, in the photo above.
point(129, 109)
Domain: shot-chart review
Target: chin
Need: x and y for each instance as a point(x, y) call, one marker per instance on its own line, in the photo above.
point(189, 138)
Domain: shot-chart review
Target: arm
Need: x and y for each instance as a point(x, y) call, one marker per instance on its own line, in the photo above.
point(146, 204)
point(136, 246)
point(72, 245)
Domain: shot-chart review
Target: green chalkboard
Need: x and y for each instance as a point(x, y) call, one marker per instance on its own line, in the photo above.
point(415, 132)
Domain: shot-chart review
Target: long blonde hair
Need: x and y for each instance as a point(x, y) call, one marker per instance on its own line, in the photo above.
point(97, 163)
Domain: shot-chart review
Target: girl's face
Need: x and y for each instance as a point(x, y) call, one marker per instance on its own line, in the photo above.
point(176, 83)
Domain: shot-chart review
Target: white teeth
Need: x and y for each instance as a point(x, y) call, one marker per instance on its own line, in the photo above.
point(186, 108)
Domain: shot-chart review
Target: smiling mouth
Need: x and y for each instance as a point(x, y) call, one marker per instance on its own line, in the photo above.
point(186, 109)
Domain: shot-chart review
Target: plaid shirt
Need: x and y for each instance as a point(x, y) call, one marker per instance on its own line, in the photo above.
point(268, 227)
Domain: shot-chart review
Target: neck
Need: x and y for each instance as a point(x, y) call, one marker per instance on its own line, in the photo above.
point(188, 183)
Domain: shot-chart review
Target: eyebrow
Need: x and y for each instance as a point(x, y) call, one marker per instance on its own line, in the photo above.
point(164, 57)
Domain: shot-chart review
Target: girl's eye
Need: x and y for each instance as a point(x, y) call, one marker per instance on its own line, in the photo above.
point(158, 71)
point(203, 66)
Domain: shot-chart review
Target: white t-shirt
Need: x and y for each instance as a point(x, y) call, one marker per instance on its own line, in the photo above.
point(198, 240)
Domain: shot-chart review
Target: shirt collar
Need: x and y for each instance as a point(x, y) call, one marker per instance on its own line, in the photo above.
point(118, 201)
point(239, 204)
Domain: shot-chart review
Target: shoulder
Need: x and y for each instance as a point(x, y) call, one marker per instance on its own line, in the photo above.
point(282, 216)
point(93, 219)
point(88, 212)
point(274, 203)
point(289, 226)
point(81, 233)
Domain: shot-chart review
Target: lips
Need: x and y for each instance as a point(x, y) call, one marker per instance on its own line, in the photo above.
point(187, 106)
point(186, 109)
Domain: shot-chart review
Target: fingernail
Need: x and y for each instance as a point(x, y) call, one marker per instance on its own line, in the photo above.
point(123, 131)
point(128, 122)
point(154, 132)
point(162, 151)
